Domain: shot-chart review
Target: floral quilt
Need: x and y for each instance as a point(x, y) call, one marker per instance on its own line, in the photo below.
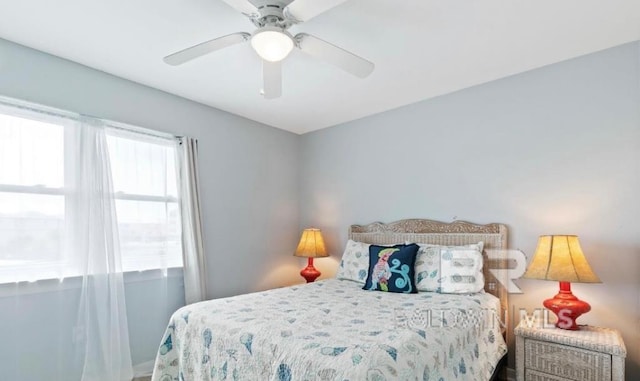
point(333, 330)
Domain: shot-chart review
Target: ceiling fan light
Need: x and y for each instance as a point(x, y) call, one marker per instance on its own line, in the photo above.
point(272, 44)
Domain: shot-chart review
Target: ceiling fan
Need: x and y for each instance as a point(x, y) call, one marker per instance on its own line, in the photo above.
point(273, 43)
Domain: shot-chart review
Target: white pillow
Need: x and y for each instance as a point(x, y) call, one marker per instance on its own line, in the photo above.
point(461, 271)
point(428, 265)
point(355, 262)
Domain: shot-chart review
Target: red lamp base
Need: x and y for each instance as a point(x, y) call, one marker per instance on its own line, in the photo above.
point(310, 273)
point(567, 307)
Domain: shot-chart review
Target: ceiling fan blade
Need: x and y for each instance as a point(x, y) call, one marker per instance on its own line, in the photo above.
point(207, 47)
point(244, 7)
point(303, 10)
point(272, 78)
point(339, 57)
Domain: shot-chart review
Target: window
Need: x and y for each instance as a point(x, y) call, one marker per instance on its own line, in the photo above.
point(145, 185)
point(32, 198)
point(36, 186)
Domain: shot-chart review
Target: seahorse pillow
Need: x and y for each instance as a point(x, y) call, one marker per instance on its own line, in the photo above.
point(355, 262)
point(461, 271)
point(428, 264)
point(391, 268)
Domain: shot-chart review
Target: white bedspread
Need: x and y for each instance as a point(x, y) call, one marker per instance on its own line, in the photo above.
point(333, 330)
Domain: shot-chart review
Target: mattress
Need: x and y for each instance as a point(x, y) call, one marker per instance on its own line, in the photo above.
point(333, 330)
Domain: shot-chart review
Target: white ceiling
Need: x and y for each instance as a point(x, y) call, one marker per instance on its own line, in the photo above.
point(421, 48)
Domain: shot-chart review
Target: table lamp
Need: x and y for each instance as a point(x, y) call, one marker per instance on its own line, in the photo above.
point(311, 246)
point(560, 258)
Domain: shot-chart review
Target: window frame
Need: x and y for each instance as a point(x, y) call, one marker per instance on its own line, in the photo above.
point(39, 113)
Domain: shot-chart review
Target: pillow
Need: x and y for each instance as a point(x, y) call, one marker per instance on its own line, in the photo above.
point(427, 268)
point(391, 268)
point(461, 271)
point(355, 262)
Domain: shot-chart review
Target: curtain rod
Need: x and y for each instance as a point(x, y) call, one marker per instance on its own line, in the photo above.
point(138, 130)
point(58, 113)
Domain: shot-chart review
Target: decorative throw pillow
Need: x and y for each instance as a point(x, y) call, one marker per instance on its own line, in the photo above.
point(461, 271)
point(427, 268)
point(355, 262)
point(391, 268)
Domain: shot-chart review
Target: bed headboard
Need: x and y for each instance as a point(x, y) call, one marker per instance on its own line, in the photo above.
point(494, 237)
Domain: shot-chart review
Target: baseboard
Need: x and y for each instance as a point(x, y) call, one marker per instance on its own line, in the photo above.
point(143, 371)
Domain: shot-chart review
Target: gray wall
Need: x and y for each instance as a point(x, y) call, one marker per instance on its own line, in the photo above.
point(551, 151)
point(250, 204)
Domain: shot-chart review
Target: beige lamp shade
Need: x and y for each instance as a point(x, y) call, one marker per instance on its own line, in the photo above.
point(560, 258)
point(311, 244)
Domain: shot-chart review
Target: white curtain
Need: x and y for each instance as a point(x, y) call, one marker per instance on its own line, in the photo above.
point(63, 181)
point(192, 243)
point(101, 332)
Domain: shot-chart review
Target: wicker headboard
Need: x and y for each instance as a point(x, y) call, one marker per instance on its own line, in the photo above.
point(494, 237)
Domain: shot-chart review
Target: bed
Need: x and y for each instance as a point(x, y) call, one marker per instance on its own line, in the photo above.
point(335, 330)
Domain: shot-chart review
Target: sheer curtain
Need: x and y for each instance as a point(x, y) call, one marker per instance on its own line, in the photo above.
point(82, 201)
point(145, 181)
point(101, 332)
point(192, 242)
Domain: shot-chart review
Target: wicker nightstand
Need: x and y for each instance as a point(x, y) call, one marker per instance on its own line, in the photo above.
point(552, 354)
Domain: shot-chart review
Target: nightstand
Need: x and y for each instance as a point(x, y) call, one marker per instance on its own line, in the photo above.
point(553, 354)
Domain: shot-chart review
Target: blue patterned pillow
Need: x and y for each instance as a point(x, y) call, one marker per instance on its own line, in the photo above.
point(355, 262)
point(428, 265)
point(391, 268)
point(461, 271)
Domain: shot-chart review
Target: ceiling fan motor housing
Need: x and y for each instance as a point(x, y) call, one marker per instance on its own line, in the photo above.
point(271, 13)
